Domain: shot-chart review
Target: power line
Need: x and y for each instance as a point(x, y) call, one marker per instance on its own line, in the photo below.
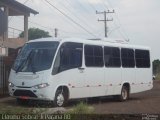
point(84, 22)
point(82, 5)
point(42, 26)
point(91, 5)
point(25, 1)
point(122, 29)
point(73, 25)
point(16, 29)
point(39, 25)
point(68, 5)
point(110, 3)
point(70, 18)
point(46, 27)
point(86, 8)
point(91, 13)
point(69, 32)
point(104, 5)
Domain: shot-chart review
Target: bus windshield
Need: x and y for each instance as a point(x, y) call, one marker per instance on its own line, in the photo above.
point(35, 56)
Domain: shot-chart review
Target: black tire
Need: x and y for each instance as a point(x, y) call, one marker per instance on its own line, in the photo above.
point(60, 99)
point(124, 94)
point(22, 102)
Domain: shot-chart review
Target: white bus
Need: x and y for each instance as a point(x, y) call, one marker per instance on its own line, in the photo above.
point(62, 69)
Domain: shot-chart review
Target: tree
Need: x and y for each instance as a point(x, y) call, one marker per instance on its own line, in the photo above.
point(156, 67)
point(35, 33)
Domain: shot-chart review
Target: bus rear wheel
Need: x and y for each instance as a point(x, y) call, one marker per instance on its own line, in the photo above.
point(124, 94)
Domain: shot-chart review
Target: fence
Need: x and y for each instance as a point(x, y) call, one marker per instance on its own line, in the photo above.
point(5, 67)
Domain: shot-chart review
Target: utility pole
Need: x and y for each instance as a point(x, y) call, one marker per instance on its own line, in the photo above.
point(105, 20)
point(56, 32)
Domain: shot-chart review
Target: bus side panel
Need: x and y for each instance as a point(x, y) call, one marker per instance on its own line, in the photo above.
point(143, 80)
point(128, 76)
point(94, 78)
point(74, 78)
point(113, 80)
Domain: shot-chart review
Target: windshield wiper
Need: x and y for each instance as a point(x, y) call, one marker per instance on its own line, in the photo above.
point(21, 65)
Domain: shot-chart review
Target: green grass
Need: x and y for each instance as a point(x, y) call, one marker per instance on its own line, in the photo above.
point(81, 108)
point(8, 109)
point(11, 107)
point(80, 111)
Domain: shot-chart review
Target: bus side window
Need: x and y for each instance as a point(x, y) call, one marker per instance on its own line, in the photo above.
point(93, 56)
point(68, 57)
point(142, 58)
point(112, 56)
point(127, 56)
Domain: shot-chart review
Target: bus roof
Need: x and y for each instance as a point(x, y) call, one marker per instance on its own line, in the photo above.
point(103, 42)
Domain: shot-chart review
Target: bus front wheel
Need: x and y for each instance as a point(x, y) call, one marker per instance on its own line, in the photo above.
point(60, 99)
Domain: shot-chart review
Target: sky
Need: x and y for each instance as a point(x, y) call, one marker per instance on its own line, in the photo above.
point(135, 20)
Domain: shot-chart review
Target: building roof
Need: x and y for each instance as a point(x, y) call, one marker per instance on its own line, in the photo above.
point(16, 8)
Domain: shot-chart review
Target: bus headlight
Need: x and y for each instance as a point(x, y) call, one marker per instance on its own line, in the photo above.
point(43, 85)
point(11, 84)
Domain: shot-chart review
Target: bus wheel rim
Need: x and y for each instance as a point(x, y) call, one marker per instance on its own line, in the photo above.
point(60, 99)
point(124, 94)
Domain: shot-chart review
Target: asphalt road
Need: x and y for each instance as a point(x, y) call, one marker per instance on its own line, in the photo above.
point(145, 102)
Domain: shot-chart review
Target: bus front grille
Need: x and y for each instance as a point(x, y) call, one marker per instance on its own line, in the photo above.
point(27, 93)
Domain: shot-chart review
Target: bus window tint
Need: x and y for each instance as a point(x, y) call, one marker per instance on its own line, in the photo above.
point(93, 56)
point(70, 56)
point(127, 56)
point(112, 57)
point(142, 58)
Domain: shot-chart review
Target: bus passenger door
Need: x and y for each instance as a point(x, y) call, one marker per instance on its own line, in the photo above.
point(69, 70)
point(94, 71)
point(112, 70)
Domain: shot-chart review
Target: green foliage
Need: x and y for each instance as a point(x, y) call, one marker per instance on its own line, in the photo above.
point(35, 33)
point(156, 67)
point(158, 76)
point(82, 108)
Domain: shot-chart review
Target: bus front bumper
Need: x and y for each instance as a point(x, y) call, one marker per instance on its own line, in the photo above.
point(31, 94)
